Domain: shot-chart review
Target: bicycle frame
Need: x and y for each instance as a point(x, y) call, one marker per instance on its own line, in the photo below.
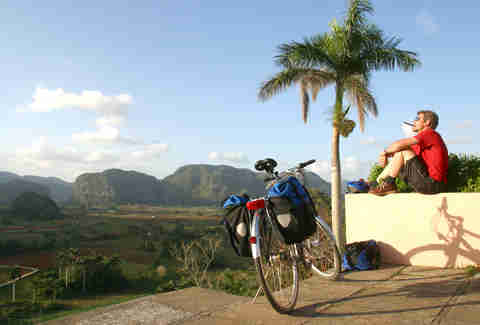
point(258, 204)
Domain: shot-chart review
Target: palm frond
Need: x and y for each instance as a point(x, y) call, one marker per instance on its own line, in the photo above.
point(319, 79)
point(311, 53)
point(305, 99)
point(356, 14)
point(360, 96)
point(380, 53)
point(280, 82)
point(314, 81)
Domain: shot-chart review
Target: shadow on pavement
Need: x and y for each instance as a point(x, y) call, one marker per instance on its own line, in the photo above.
point(309, 311)
point(401, 297)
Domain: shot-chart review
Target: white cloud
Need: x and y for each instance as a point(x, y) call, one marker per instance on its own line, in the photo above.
point(427, 22)
point(368, 141)
point(44, 159)
point(234, 157)
point(352, 168)
point(459, 140)
point(464, 124)
point(45, 100)
point(108, 134)
point(112, 111)
point(151, 151)
point(40, 152)
point(321, 168)
point(100, 157)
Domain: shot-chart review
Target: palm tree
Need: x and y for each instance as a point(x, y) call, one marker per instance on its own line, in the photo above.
point(344, 57)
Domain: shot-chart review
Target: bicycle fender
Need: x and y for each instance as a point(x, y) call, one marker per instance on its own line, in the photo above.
point(326, 226)
point(254, 232)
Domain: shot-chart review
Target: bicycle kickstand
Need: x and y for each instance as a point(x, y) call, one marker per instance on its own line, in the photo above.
point(260, 288)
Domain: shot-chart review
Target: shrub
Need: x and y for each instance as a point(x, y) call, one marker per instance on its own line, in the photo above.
point(241, 283)
point(463, 174)
point(402, 187)
point(471, 270)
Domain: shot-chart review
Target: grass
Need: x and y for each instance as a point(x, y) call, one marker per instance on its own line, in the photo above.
point(471, 270)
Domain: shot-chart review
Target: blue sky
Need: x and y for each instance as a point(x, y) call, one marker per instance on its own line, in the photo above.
point(154, 85)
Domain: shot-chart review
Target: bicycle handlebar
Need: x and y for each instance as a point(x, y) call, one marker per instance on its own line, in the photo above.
point(268, 165)
point(305, 164)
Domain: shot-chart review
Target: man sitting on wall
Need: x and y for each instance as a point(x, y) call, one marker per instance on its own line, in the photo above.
point(421, 161)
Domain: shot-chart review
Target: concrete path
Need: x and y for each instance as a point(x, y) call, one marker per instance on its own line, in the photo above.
point(390, 295)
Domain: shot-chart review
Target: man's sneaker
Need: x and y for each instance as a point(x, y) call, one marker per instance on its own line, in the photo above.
point(384, 189)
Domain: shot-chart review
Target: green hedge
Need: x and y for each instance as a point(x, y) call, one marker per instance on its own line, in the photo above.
point(463, 174)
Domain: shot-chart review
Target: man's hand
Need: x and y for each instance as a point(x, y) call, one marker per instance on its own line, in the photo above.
point(382, 159)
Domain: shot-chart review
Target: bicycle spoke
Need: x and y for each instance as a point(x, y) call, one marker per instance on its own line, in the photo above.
point(278, 271)
point(321, 252)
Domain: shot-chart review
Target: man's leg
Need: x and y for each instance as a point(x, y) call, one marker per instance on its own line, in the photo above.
point(395, 164)
point(391, 171)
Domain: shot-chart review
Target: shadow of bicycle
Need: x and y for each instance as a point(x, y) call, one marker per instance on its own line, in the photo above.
point(454, 237)
point(374, 304)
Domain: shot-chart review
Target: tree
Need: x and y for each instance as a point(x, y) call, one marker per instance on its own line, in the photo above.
point(34, 206)
point(344, 57)
point(195, 258)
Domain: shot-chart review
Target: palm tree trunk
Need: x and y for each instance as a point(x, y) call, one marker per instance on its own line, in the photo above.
point(337, 215)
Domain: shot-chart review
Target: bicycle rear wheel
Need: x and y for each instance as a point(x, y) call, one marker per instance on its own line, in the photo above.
point(321, 251)
point(277, 268)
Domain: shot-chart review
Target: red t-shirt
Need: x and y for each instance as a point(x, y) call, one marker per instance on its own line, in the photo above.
point(434, 153)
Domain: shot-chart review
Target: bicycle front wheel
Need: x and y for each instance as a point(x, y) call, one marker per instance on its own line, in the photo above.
point(277, 268)
point(321, 251)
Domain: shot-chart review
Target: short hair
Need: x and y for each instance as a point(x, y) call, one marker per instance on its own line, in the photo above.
point(430, 116)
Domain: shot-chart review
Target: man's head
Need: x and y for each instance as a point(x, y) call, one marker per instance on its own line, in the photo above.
point(425, 119)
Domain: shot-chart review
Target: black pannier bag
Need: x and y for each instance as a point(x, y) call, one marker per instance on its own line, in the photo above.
point(293, 210)
point(236, 223)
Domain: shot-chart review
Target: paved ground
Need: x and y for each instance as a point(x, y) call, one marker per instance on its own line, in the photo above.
point(390, 295)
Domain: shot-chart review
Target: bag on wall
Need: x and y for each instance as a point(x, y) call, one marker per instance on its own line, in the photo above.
point(359, 186)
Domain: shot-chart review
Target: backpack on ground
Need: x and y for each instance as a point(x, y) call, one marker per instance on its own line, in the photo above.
point(293, 210)
point(363, 255)
point(236, 223)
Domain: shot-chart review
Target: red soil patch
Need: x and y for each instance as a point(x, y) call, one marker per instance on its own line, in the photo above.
point(41, 260)
point(45, 259)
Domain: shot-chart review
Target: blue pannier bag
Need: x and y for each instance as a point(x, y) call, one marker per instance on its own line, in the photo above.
point(359, 186)
point(236, 223)
point(292, 209)
point(364, 255)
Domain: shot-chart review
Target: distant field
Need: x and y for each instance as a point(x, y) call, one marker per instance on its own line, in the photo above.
point(147, 212)
point(122, 231)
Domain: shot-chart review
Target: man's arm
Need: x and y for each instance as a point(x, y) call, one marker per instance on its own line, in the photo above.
point(395, 147)
point(400, 145)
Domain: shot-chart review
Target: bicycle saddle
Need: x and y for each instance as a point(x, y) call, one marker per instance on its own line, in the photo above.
point(267, 164)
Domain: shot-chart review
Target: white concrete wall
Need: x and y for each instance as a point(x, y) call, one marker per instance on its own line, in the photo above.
point(440, 230)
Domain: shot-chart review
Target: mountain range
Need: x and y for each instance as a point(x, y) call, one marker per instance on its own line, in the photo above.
point(189, 185)
point(12, 185)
